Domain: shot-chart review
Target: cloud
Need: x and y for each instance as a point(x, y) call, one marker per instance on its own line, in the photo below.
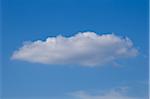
point(112, 94)
point(85, 49)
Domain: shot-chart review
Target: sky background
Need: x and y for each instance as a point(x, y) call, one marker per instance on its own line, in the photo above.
point(30, 20)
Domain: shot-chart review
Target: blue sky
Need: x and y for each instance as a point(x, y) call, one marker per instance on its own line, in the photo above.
point(31, 20)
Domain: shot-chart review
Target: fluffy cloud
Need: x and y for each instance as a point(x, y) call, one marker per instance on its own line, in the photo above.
point(86, 49)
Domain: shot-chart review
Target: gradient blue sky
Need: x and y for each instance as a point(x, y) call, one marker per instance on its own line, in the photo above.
point(28, 20)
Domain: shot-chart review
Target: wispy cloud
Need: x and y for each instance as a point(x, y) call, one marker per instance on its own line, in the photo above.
point(111, 94)
point(86, 49)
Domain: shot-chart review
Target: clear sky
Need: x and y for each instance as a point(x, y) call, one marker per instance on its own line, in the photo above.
point(32, 20)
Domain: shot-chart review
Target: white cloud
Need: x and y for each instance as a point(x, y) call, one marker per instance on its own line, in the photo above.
point(86, 49)
point(112, 94)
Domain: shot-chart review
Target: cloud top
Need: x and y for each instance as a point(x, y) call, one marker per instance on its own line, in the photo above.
point(85, 49)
